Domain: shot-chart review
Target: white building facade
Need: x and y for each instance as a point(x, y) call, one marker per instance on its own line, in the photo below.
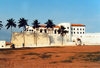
point(76, 33)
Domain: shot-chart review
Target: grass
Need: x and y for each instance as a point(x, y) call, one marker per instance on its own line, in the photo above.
point(22, 57)
point(32, 54)
point(88, 56)
point(44, 56)
point(50, 52)
point(53, 62)
point(66, 61)
point(92, 58)
point(84, 56)
point(6, 52)
point(57, 56)
point(3, 59)
point(32, 58)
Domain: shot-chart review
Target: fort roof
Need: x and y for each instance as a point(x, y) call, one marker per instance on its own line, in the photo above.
point(77, 25)
point(45, 26)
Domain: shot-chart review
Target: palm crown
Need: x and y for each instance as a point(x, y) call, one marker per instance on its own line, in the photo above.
point(36, 24)
point(50, 24)
point(11, 23)
point(62, 30)
point(1, 24)
point(22, 23)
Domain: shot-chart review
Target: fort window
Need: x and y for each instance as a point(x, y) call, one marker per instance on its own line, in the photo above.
point(74, 32)
point(45, 30)
point(80, 32)
point(58, 31)
point(83, 32)
point(55, 31)
point(80, 29)
point(77, 32)
point(40, 30)
point(74, 28)
point(83, 29)
point(71, 28)
point(71, 32)
point(29, 30)
point(67, 27)
point(77, 29)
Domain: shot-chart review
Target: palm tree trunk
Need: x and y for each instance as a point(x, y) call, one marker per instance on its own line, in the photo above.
point(62, 40)
point(11, 34)
point(23, 38)
point(50, 35)
point(36, 39)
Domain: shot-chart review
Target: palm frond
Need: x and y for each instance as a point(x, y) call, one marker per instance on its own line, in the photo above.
point(11, 23)
point(50, 24)
point(22, 22)
point(36, 24)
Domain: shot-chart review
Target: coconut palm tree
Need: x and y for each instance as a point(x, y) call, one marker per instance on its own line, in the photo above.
point(23, 23)
point(49, 26)
point(62, 31)
point(36, 26)
point(10, 24)
point(1, 25)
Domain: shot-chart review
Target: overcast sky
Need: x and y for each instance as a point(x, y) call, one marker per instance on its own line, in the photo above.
point(85, 12)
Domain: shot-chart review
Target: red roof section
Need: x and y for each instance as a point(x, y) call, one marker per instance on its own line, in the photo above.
point(42, 25)
point(8, 43)
point(45, 26)
point(77, 25)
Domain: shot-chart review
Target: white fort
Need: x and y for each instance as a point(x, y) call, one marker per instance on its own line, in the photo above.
point(50, 37)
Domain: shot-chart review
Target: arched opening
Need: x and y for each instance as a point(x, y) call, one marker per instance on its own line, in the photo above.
point(45, 30)
point(55, 31)
point(40, 30)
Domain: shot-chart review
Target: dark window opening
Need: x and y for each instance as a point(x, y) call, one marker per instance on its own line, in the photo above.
point(29, 30)
point(45, 30)
point(40, 30)
point(55, 31)
point(71, 32)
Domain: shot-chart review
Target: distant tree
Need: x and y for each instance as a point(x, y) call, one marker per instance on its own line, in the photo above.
point(62, 31)
point(36, 26)
point(1, 25)
point(23, 23)
point(10, 23)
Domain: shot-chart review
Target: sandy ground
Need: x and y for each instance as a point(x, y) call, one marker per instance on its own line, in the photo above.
point(51, 57)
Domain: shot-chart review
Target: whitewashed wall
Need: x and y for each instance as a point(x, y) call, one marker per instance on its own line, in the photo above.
point(91, 39)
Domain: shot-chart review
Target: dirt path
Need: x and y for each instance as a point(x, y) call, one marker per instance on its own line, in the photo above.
point(51, 57)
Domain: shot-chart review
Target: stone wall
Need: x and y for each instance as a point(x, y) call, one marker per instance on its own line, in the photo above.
point(31, 39)
point(39, 39)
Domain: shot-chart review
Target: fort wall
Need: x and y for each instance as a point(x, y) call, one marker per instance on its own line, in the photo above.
point(39, 39)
